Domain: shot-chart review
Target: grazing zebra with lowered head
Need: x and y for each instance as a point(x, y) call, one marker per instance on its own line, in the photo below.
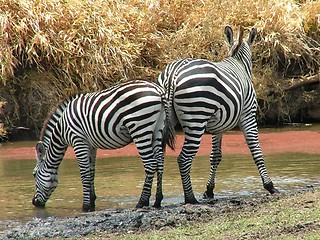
point(214, 97)
point(135, 111)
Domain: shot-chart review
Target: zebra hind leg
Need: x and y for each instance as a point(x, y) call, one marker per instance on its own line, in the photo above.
point(189, 150)
point(160, 166)
point(185, 166)
point(159, 194)
point(146, 193)
point(150, 169)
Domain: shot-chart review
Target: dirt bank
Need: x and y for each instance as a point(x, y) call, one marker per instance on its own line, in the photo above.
point(109, 223)
point(302, 141)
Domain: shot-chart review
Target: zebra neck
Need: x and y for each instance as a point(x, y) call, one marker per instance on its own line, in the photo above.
point(235, 65)
point(54, 157)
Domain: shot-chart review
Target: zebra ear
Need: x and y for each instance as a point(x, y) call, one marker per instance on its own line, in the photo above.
point(40, 151)
point(229, 35)
point(252, 36)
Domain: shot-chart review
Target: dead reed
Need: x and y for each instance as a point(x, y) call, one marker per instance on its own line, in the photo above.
point(88, 45)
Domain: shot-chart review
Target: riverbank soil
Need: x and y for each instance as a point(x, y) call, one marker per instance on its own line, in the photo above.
point(292, 215)
point(302, 141)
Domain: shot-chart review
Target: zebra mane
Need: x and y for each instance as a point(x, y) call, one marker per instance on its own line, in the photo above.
point(235, 48)
point(240, 39)
point(51, 120)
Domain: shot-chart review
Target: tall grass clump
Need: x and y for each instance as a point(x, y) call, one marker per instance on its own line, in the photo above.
point(50, 49)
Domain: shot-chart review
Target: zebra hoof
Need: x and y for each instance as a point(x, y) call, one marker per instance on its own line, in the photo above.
point(86, 208)
point(142, 204)
point(157, 202)
point(191, 200)
point(208, 195)
point(274, 191)
point(157, 205)
point(270, 188)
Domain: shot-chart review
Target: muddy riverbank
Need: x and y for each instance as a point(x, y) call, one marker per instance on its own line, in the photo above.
point(113, 222)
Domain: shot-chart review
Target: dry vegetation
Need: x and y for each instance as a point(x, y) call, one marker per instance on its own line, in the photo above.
point(52, 48)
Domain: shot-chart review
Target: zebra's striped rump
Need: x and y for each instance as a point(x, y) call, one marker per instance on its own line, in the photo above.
point(205, 97)
point(136, 111)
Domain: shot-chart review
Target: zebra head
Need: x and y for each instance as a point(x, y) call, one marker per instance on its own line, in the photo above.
point(241, 49)
point(46, 180)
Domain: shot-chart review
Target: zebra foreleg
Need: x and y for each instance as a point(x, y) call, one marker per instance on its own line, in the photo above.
point(215, 159)
point(250, 132)
point(88, 194)
point(86, 161)
point(93, 197)
point(91, 206)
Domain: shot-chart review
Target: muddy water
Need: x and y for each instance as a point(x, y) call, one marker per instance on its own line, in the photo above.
point(119, 182)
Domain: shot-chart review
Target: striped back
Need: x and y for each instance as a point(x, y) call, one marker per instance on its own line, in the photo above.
point(108, 119)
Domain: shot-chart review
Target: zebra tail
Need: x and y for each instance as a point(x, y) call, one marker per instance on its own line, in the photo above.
point(169, 135)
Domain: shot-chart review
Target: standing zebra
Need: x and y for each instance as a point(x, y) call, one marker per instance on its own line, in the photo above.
point(136, 111)
point(214, 97)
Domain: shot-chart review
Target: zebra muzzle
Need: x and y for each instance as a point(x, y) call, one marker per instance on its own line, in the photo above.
point(37, 203)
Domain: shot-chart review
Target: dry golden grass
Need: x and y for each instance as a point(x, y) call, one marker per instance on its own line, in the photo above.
point(88, 45)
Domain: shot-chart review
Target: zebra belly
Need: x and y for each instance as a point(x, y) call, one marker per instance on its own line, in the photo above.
point(120, 138)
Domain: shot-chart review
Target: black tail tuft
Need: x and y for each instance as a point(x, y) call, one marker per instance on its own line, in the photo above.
point(169, 135)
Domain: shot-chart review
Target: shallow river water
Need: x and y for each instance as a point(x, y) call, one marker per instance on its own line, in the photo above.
point(119, 182)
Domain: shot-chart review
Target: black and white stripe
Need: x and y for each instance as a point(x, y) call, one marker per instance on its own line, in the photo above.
point(136, 111)
point(214, 97)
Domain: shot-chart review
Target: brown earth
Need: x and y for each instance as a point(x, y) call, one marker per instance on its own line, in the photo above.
point(233, 143)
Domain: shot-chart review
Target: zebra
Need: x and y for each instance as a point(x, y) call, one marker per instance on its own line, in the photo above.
point(135, 111)
point(214, 97)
